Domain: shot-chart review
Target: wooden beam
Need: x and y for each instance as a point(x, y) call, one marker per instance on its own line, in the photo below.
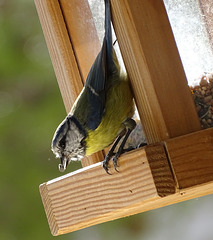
point(90, 196)
point(72, 48)
point(191, 158)
point(153, 64)
point(65, 225)
point(60, 49)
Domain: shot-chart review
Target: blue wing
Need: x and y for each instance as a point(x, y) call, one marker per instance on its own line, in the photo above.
point(99, 75)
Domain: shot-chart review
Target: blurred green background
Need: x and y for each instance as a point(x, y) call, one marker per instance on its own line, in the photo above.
point(30, 110)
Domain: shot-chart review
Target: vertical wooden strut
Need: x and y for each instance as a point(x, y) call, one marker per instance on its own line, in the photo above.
point(152, 61)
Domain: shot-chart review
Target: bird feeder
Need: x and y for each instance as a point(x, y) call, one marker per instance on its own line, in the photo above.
point(177, 163)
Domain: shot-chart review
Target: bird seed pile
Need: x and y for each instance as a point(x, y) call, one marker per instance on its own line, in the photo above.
point(202, 93)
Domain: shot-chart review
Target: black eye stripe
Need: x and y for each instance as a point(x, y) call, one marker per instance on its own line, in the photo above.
point(62, 142)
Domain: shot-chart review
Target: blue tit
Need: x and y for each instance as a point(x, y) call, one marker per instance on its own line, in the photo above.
point(102, 112)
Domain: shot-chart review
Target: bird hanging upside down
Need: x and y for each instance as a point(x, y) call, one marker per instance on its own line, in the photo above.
point(102, 112)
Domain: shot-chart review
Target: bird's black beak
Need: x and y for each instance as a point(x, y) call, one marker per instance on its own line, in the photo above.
point(63, 165)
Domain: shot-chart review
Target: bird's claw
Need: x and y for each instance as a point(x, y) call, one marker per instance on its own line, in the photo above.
point(106, 165)
point(115, 161)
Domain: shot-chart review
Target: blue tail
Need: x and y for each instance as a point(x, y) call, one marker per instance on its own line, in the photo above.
point(108, 38)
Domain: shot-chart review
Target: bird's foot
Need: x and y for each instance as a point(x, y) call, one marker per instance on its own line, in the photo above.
point(106, 162)
point(115, 160)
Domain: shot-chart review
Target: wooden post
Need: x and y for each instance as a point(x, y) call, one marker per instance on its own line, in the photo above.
point(60, 49)
point(154, 67)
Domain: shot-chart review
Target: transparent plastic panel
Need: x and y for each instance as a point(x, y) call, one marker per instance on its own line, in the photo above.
point(191, 35)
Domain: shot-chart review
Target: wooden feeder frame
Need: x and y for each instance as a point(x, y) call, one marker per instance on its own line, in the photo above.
point(177, 163)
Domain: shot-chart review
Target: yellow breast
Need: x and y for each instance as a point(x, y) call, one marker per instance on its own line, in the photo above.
point(119, 106)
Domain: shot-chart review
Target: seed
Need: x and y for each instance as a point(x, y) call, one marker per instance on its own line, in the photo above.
point(207, 99)
point(203, 82)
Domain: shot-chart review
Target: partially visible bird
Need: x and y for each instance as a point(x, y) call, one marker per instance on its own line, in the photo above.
point(102, 112)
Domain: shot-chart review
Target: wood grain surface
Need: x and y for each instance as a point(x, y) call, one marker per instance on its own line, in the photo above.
point(60, 49)
point(191, 158)
point(156, 73)
point(90, 196)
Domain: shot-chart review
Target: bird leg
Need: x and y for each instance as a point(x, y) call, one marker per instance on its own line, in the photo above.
point(111, 151)
point(129, 126)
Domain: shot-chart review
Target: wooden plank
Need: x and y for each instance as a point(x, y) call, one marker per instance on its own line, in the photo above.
point(184, 195)
point(90, 196)
point(155, 69)
point(60, 49)
point(191, 158)
point(63, 52)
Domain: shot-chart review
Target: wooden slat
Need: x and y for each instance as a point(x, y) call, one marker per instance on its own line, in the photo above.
point(191, 158)
point(184, 195)
point(60, 49)
point(152, 61)
point(90, 196)
point(63, 51)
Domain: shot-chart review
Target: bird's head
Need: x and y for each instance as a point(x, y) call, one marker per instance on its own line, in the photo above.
point(68, 142)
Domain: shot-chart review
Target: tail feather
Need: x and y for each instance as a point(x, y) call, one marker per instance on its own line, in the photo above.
point(108, 38)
